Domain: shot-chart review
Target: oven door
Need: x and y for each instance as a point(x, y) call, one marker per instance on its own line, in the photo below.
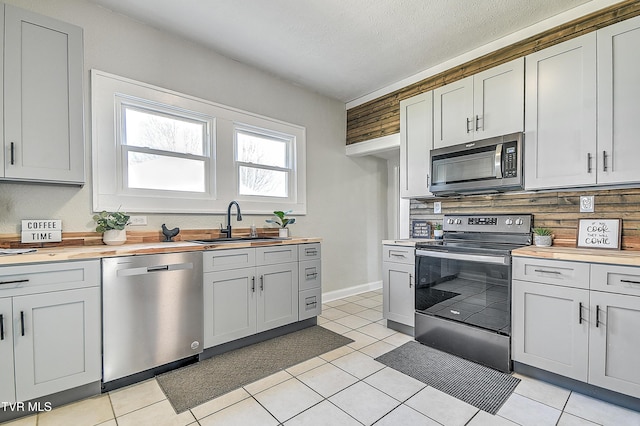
point(468, 288)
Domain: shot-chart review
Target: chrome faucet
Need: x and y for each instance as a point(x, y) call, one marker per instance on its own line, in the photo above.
point(227, 232)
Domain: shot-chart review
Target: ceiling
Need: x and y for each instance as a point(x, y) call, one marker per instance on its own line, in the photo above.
point(344, 49)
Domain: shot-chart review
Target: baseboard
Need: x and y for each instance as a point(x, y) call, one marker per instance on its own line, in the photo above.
point(350, 291)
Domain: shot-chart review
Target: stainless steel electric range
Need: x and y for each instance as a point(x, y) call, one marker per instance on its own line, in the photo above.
point(463, 286)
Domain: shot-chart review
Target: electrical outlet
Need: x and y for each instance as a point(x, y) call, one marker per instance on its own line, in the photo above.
point(437, 207)
point(138, 220)
point(587, 204)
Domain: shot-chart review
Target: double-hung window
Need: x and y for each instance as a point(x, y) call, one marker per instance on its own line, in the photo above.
point(160, 151)
point(163, 150)
point(263, 163)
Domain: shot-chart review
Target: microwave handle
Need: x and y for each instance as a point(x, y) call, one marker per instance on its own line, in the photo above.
point(498, 161)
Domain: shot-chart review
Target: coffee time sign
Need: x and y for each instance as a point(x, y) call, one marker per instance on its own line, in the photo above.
point(41, 230)
point(599, 233)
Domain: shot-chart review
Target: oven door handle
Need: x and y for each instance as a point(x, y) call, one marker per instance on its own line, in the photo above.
point(498, 260)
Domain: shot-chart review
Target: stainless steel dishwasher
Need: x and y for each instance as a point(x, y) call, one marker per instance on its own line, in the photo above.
point(151, 311)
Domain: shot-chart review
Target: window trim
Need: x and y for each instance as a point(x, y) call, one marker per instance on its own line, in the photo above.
point(289, 140)
point(107, 194)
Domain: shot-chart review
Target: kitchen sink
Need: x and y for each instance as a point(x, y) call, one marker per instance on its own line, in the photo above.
point(225, 240)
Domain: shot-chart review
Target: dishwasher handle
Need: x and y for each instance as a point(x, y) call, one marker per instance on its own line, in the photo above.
point(144, 270)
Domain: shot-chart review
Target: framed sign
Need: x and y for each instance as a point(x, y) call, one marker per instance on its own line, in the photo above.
point(599, 233)
point(420, 229)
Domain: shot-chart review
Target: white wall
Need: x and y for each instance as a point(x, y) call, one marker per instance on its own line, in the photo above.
point(346, 196)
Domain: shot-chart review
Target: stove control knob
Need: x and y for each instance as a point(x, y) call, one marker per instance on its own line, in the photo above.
point(509, 221)
point(519, 221)
point(450, 221)
point(458, 221)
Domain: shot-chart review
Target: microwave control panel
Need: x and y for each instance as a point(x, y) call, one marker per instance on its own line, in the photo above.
point(510, 160)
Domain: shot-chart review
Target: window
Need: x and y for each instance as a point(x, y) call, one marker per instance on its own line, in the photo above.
point(159, 151)
point(263, 163)
point(164, 151)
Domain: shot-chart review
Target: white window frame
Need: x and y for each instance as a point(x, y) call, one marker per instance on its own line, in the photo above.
point(289, 168)
point(109, 192)
point(122, 102)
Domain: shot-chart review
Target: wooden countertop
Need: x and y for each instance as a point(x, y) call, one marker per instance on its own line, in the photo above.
point(100, 251)
point(616, 257)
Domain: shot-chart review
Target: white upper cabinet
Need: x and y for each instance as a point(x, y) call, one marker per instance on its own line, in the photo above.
point(487, 104)
point(560, 115)
point(618, 105)
point(43, 112)
point(453, 113)
point(416, 140)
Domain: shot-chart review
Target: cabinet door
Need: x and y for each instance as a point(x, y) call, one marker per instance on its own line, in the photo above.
point(398, 292)
point(614, 343)
point(277, 295)
point(560, 115)
point(498, 100)
point(618, 106)
point(57, 341)
point(43, 113)
point(551, 328)
point(453, 113)
point(416, 140)
point(7, 384)
point(229, 305)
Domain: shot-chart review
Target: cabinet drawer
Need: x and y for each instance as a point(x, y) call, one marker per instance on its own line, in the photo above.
point(222, 260)
point(310, 303)
point(398, 254)
point(309, 251)
point(276, 254)
point(568, 274)
point(44, 277)
point(309, 274)
point(616, 279)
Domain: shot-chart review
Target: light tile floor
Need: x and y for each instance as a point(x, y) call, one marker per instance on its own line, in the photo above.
point(342, 387)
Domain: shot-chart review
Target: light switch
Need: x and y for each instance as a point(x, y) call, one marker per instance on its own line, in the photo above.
point(587, 204)
point(437, 207)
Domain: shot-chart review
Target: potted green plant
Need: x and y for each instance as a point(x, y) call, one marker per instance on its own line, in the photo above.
point(542, 237)
point(282, 221)
point(437, 231)
point(111, 225)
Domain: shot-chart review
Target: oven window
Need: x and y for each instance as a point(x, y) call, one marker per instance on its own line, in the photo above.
point(469, 292)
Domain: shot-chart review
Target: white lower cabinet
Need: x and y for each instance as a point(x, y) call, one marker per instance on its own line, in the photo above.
point(581, 333)
point(398, 281)
point(245, 296)
point(548, 332)
point(614, 342)
point(50, 334)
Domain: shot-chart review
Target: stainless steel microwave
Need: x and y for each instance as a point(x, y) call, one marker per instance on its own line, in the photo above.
point(479, 167)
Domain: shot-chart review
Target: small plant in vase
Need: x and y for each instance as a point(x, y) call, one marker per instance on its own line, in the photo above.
point(437, 231)
point(542, 237)
point(282, 221)
point(111, 225)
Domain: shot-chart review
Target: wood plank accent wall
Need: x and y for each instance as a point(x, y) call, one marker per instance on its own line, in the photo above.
point(381, 116)
point(558, 211)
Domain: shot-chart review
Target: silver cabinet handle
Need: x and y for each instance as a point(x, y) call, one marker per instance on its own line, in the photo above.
point(630, 281)
point(597, 315)
point(588, 162)
point(14, 281)
point(253, 284)
point(477, 121)
point(468, 122)
point(13, 154)
point(410, 280)
point(547, 272)
point(261, 282)
point(604, 161)
point(398, 255)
